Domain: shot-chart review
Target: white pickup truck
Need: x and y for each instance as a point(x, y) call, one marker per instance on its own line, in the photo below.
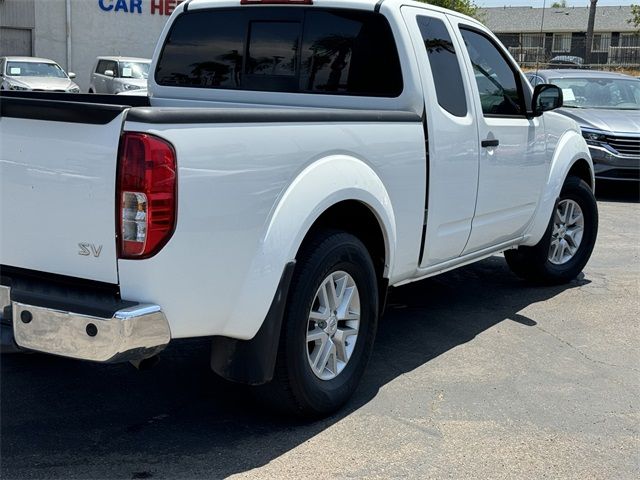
point(294, 159)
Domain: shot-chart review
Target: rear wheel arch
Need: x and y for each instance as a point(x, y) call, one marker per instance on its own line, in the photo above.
point(358, 219)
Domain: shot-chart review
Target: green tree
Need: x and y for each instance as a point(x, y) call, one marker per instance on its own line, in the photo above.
point(561, 4)
point(635, 16)
point(467, 7)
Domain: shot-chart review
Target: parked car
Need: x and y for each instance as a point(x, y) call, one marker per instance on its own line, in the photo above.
point(566, 61)
point(143, 92)
point(35, 74)
point(606, 105)
point(291, 162)
point(119, 74)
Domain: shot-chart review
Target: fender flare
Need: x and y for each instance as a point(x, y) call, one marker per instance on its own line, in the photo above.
point(318, 187)
point(571, 148)
point(322, 184)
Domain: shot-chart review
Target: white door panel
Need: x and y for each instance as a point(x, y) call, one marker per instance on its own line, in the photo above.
point(452, 139)
point(513, 164)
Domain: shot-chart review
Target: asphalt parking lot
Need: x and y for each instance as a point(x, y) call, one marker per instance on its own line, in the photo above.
point(475, 374)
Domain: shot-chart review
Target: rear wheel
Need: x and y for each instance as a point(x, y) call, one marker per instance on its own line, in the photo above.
point(567, 244)
point(329, 326)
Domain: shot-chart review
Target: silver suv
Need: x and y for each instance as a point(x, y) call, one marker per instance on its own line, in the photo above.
point(119, 74)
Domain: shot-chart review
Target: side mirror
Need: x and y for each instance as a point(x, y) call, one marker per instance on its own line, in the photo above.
point(72, 75)
point(109, 73)
point(546, 97)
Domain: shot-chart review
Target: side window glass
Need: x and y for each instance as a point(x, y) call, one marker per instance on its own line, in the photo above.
point(445, 68)
point(113, 66)
point(500, 93)
point(100, 68)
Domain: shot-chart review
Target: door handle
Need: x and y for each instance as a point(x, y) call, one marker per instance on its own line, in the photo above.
point(490, 143)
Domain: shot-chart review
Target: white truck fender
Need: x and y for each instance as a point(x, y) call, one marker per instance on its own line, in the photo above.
point(570, 148)
point(319, 186)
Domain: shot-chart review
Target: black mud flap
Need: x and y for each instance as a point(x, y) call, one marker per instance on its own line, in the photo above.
point(253, 361)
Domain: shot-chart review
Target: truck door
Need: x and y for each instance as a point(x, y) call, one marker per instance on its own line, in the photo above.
point(513, 164)
point(452, 135)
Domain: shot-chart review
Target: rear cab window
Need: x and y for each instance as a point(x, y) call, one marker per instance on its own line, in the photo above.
point(280, 49)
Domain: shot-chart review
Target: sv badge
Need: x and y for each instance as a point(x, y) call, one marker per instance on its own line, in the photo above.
point(88, 249)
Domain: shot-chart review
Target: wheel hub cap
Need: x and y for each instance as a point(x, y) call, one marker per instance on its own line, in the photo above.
point(332, 329)
point(332, 326)
point(566, 235)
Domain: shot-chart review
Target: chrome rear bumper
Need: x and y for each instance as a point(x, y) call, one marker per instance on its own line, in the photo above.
point(131, 333)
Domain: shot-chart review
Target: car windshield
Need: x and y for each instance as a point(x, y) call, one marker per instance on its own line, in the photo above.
point(136, 70)
point(35, 69)
point(611, 93)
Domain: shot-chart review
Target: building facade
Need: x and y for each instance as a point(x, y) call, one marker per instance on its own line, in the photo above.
point(536, 35)
point(75, 32)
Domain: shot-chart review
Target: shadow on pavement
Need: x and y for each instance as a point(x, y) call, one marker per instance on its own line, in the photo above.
point(66, 419)
point(612, 191)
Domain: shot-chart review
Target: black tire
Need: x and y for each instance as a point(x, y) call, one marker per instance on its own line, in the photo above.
point(295, 388)
point(532, 263)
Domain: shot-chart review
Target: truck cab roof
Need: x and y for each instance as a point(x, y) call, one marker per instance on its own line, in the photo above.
point(369, 5)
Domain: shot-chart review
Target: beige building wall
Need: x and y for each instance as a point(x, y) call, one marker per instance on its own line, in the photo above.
point(94, 31)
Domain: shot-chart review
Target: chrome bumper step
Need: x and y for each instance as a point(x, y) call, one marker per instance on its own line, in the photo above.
point(130, 334)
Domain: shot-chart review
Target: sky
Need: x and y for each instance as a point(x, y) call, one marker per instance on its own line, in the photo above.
point(538, 3)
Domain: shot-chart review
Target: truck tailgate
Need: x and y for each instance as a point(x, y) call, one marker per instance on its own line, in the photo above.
point(57, 187)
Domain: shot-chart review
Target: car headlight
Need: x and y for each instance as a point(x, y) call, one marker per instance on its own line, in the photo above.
point(17, 87)
point(128, 86)
point(594, 137)
point(74, 90)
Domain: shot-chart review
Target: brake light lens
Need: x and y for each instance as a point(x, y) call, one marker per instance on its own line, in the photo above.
point(146, 193)
point(276, 2)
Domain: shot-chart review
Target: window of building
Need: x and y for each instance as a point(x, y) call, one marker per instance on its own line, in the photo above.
point(601, 42)
point(445, 66)
point(267, 49)
point(498, 83)
point(561, 42)
point(629, 40)
point(532, 40)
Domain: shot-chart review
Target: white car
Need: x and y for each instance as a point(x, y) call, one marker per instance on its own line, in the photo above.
point(119, 75)
point(35, 74)
point(291, 162)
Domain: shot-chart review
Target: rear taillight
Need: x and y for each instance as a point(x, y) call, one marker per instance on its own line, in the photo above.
point(146, 195)
point(276, 2)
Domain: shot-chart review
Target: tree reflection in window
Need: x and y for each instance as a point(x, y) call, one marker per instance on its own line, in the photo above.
point(273, 48)
point(445, 68)
point(265, 49)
